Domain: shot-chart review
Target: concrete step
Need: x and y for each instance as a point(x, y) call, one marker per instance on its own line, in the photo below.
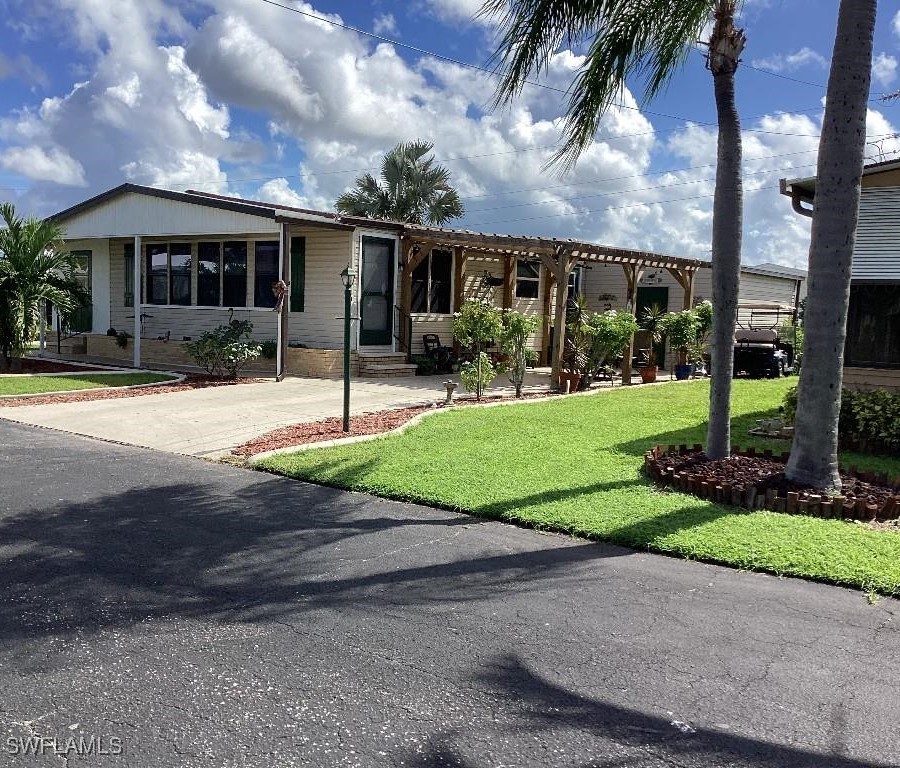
point(387, 370)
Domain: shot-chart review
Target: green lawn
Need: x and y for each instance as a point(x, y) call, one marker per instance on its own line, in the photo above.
point(34, 385)
point(574, 465)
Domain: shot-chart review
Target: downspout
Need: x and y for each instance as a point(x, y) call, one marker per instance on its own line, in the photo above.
point(797, 199)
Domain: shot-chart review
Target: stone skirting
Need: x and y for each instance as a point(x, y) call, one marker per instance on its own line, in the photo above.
point(320, 363)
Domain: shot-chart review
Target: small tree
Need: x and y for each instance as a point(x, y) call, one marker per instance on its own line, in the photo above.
point(611, 332)
point(681, 328)
point(477, 324)
point(514, 343)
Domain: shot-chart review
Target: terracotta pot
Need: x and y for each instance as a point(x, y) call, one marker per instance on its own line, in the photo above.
point(573, 380)
point(648, 374)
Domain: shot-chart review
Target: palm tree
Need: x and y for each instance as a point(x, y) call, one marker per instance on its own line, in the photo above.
point(840, 163)
point(413, 188)
point(650, 38)
point(34, 268)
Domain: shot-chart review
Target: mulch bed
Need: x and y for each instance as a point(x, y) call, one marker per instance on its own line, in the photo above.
point(757, 481)
point(193, 381)
point(365, 424)
point(31, 365)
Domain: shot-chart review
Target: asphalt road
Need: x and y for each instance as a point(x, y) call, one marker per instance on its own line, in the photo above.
point(189, 614)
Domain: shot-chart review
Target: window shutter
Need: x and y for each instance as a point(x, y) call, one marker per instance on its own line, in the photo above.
point(298, 272)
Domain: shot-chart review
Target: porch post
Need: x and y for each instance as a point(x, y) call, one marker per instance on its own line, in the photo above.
point(138, 300)
point(459, 263)
point(685, 278)
point(561, 263)
point(282, 329)
point(549, 279)
point(413, 255)
point(509, 276)
point(633, 274)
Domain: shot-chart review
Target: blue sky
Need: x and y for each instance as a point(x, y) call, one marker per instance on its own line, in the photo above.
point(242, 97)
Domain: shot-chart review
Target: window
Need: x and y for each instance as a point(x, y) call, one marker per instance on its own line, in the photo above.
point(180, 273)
point(574, 284)
point(298, 272)
point(431, 284)
point(528, 279)
point(81, 320)
point(209, 274)
point(234, 274)
point(873, 326)
point(266, 273)
point(157, 274)
point(169, 273)
point(129, 274)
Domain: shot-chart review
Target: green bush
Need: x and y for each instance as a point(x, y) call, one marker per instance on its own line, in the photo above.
point(425, 366)
point(868, 420)
point(477, 375)
point(225, 350)
point(269, 349)
point(682, 328)
point(517, 328)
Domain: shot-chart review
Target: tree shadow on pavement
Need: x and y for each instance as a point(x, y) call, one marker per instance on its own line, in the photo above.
point(542, 705)
point(251, 552)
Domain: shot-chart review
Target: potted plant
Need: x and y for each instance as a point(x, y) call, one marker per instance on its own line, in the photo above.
point(681, 329)
point(650, 320)
point(574, 371)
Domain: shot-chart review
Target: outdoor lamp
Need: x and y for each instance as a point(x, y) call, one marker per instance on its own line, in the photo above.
point(348, 274)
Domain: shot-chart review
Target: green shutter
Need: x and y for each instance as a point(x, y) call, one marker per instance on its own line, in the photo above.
point(298, 272)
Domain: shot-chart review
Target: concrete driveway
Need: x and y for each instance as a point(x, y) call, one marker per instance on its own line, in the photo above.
point(210, 422)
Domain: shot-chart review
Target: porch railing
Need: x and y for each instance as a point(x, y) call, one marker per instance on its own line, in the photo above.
point(403, 332)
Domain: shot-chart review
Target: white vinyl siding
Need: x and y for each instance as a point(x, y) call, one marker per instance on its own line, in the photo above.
point(877, 252)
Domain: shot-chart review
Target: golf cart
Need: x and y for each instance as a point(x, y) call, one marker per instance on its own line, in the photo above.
point(759, 351)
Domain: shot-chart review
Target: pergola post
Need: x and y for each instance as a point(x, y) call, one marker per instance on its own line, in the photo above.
point(633, 274)
point(549, 279)
point(685, 278)
point(413, 255)
point(459, 284)
point(509, 277)
point(561, 263)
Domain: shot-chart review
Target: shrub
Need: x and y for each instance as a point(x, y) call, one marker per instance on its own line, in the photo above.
point(269, 349)
point(476, 324)
point(122, 339)
point(682, 329)
point(425, 366)
point(225, 350)
point(514, 343)
point(868, 420)
point(476, 375)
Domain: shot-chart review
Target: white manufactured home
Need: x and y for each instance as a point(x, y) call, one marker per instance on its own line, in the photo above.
point(164, 266)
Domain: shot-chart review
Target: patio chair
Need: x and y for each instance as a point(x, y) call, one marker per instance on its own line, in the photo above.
point(442, 356)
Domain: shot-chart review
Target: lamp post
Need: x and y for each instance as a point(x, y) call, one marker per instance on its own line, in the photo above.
point(347, 276)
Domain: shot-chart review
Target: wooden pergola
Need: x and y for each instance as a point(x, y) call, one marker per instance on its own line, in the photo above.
point(557, 257)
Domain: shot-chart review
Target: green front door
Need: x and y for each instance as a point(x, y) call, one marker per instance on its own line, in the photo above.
point(648, 298)
point(81, 320)
point(376, 292)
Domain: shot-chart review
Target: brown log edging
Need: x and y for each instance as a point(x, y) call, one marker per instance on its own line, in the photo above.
point(672, 466)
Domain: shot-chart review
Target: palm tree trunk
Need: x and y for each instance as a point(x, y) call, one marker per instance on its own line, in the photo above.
point(726, 260)
point(841, 154)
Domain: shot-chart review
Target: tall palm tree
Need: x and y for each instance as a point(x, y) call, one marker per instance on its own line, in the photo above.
point(413, 188)
point(651, 39)
point(836, 210)
point(35, 268)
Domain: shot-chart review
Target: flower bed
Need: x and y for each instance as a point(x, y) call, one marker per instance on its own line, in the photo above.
point(756, 481)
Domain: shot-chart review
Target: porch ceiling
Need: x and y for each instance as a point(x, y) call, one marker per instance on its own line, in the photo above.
point(535, 247)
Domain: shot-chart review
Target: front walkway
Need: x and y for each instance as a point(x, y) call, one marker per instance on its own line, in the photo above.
point(210, 422)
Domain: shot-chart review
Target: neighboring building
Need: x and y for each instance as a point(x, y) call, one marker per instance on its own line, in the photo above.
point(872, 349)
point(195, 259)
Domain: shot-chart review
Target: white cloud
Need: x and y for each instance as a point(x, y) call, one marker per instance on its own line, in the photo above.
point(884, 69)
point(897, 24)
point(792, 61)
point(385, 24)
point(458, 10)
point(44, 165)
